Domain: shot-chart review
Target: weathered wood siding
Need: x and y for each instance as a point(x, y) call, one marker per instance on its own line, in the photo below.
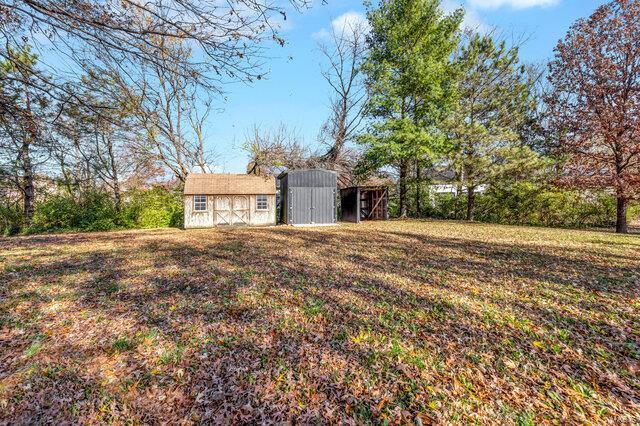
point(193, 219)
point(263, 217)
point(220, 211)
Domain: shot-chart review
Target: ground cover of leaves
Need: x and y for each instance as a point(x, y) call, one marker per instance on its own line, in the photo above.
point(389, 322)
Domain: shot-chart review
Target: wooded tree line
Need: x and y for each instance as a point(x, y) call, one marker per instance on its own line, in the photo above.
point(445, 104)
point(104, 98)
point(415, 95)
point(446, 101)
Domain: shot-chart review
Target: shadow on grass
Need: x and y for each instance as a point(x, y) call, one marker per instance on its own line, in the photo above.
point(269, 325)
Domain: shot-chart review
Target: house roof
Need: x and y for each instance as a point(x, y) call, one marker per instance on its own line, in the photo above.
point(440, 175)
point(228, 184)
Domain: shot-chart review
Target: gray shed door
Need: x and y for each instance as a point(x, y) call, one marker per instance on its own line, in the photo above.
point(300, 205)
point(322, 205)
point(312, 205)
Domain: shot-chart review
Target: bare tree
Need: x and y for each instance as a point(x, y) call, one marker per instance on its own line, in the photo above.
point(170, 108)
point(226, 35)
point(98, 146)
point(344, 55)
point(272, 151)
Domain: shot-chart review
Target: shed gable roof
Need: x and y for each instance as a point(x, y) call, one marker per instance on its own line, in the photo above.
point(228, 184)
point(312, 178)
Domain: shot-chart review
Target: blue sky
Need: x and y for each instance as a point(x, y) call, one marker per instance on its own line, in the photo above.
point(294, 92)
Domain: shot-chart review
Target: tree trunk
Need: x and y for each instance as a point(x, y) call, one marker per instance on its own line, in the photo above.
point(471, 200)
point(331, 157)
point(418, 195)
point(404, 166)
point(114, 175)
point(457, 213)
point(28, 189)
point(117, 195)
point(622, 226)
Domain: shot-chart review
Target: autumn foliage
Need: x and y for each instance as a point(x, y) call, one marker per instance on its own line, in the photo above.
point(395, 322)
point(595, 103)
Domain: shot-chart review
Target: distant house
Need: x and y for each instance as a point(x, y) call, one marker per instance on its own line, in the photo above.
point(453, 189)
point(443, 181)
point(229, 199)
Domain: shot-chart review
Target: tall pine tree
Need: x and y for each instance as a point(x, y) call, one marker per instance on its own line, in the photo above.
point(24, 118)
point(410, 83)
point(494, 98)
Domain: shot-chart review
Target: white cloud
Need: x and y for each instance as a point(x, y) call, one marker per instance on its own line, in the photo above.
point(344, 23)
point(349, 20)
point(322, 33)
point(472, 17)
point(516, 4)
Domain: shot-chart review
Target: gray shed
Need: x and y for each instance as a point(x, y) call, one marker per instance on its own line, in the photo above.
point(308, 197)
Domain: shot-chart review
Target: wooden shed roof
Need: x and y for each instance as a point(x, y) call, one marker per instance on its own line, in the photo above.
point(228, 184)
point(372, 182)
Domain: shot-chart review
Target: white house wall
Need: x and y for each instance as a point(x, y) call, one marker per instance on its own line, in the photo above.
point(453, 189)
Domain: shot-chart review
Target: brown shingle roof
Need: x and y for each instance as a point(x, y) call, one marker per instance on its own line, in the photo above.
point(228, 184)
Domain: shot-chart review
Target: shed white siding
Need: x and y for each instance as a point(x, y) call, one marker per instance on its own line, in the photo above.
point(263, 217)
point(198, 219)
point(229, 210)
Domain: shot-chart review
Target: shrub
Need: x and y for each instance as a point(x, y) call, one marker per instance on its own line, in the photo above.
point(634, 212)
point(10, 219)
point(94, 211)
point(444, 206)
point(153, 208)
point(526, 203)
point(576, 210)
point(97, 212)
point(56, 213)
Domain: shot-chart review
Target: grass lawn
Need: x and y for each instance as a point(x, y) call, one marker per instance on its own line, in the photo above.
point(425, 322)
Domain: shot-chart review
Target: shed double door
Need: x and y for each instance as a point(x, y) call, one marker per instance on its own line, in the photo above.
point(312, 205)
point(232, 210)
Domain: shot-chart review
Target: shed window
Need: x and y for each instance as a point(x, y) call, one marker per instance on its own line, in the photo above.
point(261, 202)
point(200, 203)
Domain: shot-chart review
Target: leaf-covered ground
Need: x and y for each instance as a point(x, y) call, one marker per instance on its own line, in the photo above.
point(400, 322)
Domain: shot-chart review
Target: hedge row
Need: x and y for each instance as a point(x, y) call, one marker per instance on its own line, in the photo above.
point(96, 211)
